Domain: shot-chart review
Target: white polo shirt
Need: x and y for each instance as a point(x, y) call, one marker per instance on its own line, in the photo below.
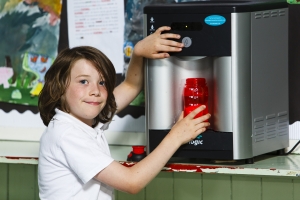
point(71, 154)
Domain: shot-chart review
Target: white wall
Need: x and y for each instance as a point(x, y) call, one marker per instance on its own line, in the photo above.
point(20, 134)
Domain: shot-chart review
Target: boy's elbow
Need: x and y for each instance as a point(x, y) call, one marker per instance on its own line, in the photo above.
point(134, 188)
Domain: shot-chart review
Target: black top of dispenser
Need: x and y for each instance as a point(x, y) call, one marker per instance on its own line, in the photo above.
point(215, 6)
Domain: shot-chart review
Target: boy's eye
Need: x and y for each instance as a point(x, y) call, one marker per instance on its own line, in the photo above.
point(83, 81)
point(102, 83)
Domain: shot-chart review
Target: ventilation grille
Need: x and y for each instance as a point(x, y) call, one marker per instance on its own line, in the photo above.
point(268, 14)
point(270, 126)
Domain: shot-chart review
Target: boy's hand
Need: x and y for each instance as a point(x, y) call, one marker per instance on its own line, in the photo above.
point(157, 44)
point(188, 128)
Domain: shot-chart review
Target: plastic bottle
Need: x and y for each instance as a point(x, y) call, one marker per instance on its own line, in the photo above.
point(137, 153)
point(195, 94)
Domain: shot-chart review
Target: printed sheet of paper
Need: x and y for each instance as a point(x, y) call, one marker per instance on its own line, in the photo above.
point(99, 24)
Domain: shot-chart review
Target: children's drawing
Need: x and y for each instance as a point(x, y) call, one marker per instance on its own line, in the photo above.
point(293, 1)
point(29, 33)
point(38, 65)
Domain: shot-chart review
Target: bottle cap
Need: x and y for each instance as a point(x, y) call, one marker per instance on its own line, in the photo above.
point(138, 149)
point(195, 81)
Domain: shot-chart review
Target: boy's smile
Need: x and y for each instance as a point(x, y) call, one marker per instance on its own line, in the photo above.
point(86, 95)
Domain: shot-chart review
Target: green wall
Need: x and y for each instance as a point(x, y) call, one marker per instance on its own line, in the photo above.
point(19, 182)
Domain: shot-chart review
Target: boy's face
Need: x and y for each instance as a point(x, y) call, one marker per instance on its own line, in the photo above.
point(86, 95)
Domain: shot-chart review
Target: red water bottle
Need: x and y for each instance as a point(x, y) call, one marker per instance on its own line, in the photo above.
point(195, 94)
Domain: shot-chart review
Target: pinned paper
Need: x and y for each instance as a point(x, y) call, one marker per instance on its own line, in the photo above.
point(5, 74)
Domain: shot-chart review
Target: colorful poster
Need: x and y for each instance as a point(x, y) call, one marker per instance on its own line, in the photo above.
point(293, 1)
point(29, 33)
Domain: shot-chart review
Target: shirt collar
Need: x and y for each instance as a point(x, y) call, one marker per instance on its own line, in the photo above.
point(76, 122)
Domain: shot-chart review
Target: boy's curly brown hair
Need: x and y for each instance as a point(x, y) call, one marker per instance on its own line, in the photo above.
point(57, 79)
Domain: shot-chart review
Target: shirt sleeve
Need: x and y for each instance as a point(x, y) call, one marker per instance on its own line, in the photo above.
point(84, 155)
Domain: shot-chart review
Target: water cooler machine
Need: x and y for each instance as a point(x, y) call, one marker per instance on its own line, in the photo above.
point(241, 50)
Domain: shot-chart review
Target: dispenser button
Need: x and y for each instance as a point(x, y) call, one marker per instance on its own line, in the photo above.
point(152, 28)
point(151, 20)
point(187, 41)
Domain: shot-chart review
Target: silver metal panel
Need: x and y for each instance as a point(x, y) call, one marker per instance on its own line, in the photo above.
point(164, 87)
point(222, 94)
point(145, 88)
point(241, 85)
point(165, 83)
point(269, 80)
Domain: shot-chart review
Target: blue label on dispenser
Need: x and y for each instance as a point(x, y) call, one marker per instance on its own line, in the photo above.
point(215, 20)
point(197, 141)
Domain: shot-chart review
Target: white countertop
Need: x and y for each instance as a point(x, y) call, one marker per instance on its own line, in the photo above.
point(266, 165)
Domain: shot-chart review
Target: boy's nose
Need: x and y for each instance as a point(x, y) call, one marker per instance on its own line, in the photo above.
point(95, 90)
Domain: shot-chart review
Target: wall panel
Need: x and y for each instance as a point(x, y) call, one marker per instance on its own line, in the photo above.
point(161, 187)
point(216, 187)
point(277, 188)
point(22, 182)
point(246, 187)
point(3, 180)
point(187, 186)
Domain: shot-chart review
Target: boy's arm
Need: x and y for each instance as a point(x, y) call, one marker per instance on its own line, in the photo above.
point(154, 46)
point(133, 179)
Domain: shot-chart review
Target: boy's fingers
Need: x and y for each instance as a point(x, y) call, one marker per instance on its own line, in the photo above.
point(169, 35)
point(163, 28)
point(169, 49)
point(171, 43)
point(202, 125)
point(196, 111)
point(201, 130)
point(160, 55)
point(170, 46)
point(203, 118)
